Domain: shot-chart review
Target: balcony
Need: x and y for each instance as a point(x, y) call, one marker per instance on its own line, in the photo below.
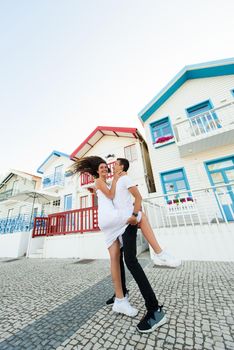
point(7, 195)
point(68, 222)
point(86, 179)
point(214, 128)
point(53, 181)
point(201, 207)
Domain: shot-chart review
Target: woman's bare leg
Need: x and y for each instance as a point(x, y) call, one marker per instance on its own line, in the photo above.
point(149, 234)
point(114, 251)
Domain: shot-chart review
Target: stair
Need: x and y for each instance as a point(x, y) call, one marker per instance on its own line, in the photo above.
point(37, 255)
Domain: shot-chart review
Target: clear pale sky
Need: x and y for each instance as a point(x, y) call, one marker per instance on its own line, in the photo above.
point(67, 66)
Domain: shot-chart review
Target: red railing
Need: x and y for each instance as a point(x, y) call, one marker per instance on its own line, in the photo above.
point(86, 179)
point(72, 221)
point(40, 227)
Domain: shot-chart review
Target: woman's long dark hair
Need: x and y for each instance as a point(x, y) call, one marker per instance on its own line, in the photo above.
point(87, 165)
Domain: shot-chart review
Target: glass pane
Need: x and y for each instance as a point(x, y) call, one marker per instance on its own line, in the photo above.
point(230, 174)
point(173, 176)
point(220, 165)
point(169, 187)
point(166, 131)
point(157, 133)
point(127, 152)
point(217, 178)
point(181, 185)
point(134, 152)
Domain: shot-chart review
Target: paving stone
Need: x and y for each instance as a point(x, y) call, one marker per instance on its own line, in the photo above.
point(57, 304)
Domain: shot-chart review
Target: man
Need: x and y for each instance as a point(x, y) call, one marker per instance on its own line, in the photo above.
point(125, 189)
point(160, 257)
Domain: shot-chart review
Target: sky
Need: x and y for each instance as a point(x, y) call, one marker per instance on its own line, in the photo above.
point(67, 66)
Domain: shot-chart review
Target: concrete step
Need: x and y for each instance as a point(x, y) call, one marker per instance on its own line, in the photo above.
point(35, 256)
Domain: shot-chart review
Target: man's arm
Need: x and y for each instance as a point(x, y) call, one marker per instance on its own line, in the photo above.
point(137, 204)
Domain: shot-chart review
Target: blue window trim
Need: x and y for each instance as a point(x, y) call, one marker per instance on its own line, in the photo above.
point(174, 171)
point(212, 161)
point(232, 92)
point(155, 122)
point(197, 104)
point(65, 197)
point(217, 160)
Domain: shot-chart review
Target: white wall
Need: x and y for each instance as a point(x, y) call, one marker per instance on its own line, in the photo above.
point(83, 246)
point(166, 158)
point(210, 243)
point(13, 245)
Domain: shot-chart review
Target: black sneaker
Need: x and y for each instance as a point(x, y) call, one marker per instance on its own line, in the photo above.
point(112, 299)
point(152, 320)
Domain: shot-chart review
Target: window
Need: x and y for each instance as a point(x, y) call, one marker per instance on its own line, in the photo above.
point(56, 203)
point(68, 202)
point(174, 181)
point(130, 153)
point(232, 92)
point(58, 173)
point(161, 130)
point(199, 108)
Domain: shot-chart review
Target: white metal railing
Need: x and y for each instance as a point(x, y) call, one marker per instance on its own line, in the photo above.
point(204, 206)
point(205, 123)
point(53, 180)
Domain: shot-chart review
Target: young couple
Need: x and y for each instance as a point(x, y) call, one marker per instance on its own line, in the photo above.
point(119, 218)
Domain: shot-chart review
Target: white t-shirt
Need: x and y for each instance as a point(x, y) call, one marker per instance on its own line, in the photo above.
point(123, 198)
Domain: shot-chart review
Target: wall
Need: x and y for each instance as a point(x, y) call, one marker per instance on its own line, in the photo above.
point(13, 245)
point(168, 158)
point(210, 243)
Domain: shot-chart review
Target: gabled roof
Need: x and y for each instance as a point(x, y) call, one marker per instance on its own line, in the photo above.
point(98, 133)
point(52, 156)
point(22, 174)
point(195, 71)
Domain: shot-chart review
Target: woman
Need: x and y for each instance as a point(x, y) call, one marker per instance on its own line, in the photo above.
point(111, 221)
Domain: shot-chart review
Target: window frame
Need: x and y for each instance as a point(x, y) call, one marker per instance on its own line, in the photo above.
point(184, 177)
point(158, 122)
point(132, 158)
point(65, 199)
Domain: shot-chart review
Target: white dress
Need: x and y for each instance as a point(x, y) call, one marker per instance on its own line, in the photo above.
point(110, 220)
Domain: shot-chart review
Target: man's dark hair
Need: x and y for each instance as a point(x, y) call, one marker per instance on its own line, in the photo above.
point(124, 162)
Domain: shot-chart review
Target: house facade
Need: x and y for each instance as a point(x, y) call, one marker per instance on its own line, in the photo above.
point(16, 216)
point(189, 130)
point(73, 230)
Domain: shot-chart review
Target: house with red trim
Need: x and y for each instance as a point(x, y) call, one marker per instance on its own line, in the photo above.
point(73, 230)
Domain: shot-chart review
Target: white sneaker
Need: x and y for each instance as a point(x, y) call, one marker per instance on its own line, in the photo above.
point(165, 259)
point(124, 307)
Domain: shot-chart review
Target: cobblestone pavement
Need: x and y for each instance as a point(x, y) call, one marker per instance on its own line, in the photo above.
point(60, 304)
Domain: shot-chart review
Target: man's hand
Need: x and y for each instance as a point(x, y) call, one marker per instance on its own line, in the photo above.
point(132, 220)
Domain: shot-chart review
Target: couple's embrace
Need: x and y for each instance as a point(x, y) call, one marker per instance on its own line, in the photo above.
point(119, 218)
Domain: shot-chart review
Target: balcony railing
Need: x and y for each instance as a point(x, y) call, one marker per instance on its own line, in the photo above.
point(205, 124)
point(87, 179)
point(205, 206)
point(53, 180)
point(5, 195)
point(20, 223)
point(73, 221)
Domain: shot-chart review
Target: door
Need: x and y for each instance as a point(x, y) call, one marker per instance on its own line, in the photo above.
point(221, 172)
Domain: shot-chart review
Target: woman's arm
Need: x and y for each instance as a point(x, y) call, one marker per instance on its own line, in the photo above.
point(109, 193)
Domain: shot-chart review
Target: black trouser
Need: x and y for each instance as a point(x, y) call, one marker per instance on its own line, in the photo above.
point(129, 249)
